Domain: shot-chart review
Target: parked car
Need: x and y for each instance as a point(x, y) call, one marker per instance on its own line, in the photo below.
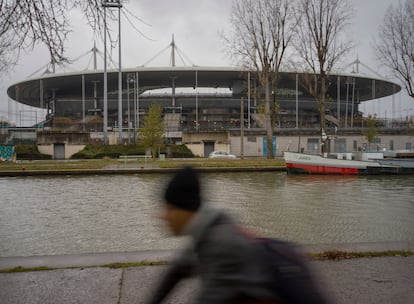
point(221, 154)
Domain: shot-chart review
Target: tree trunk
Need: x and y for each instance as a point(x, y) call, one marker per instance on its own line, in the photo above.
point(324, 148)
point(268, 122)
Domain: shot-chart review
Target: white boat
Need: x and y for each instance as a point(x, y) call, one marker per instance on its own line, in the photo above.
point(401, 158)
point(300, 163)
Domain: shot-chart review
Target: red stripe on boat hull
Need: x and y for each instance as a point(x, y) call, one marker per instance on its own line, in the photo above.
point(316, 169)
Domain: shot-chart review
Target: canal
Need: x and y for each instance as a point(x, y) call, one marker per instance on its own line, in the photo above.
point(101, 213)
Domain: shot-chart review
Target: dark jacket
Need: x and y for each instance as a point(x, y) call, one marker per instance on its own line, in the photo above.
point(229, 266)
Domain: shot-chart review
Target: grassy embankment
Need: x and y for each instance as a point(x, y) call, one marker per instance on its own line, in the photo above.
point(94, 164)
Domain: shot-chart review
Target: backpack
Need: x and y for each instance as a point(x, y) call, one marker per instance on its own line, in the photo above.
point(291, 278)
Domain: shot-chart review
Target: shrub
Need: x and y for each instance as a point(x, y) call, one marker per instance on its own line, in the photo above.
point(29, 152)
point(178, 151)
point(112, 151)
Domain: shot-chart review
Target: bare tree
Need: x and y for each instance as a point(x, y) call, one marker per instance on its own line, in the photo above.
point(261, 33)
point(24, 24)
point(395, 45)
point(7, 44)
point(320, 45)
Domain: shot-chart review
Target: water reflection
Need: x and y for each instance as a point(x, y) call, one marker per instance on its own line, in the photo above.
point(72, 214)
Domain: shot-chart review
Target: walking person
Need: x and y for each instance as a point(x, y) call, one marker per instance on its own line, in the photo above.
point(229, 264)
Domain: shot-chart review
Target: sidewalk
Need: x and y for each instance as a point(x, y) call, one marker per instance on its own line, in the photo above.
point(364, 280)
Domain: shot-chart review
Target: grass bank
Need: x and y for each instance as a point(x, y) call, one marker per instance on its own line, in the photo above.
point(84, 164)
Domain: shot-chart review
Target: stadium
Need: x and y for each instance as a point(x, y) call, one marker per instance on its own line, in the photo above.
point(204, 107)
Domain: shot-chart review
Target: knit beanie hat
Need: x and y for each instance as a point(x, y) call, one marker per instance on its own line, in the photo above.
point(183, 191)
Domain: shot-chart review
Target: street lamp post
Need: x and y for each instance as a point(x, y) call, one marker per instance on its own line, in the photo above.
point(120, 120)
point(105, 101)
point(109, 4)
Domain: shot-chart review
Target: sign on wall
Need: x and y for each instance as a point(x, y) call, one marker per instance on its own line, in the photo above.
point(6, 153)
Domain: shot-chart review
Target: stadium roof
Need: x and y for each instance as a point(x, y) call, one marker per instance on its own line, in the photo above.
point(68, 86)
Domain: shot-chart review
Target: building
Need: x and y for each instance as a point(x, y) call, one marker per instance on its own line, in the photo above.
point(203, 106)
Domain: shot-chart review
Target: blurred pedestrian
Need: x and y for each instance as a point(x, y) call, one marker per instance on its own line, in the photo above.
point(229, 264)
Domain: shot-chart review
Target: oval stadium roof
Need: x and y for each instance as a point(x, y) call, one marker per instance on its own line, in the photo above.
point(69, 86)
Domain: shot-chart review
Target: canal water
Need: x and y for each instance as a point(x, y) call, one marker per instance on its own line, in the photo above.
point(103, 213)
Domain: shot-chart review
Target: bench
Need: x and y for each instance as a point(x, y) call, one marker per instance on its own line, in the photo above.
point(125, 158)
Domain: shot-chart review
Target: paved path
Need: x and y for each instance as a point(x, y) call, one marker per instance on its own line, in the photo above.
point(364, 280)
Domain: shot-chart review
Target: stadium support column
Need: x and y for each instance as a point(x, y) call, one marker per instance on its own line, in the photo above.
point(393, 105)
point(173, 77)
point(346, 103)
point(373, 93)
point(41, 100)
point(16, 103)
point(95, 97)
point(297, 100)
point(241, 127)
point(173, 92)
point(137, 111)
point(338, 99)
point(353, 102)
point(41, 97)
point(83, 102)
point(248, 100)
point(128, 107)
point(136, 105)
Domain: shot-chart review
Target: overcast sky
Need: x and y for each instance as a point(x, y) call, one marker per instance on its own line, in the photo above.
point(196, 26)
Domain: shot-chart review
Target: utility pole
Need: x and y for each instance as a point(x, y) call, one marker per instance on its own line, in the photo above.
point(105, 97)
point(109, 4)
point(120, 122)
